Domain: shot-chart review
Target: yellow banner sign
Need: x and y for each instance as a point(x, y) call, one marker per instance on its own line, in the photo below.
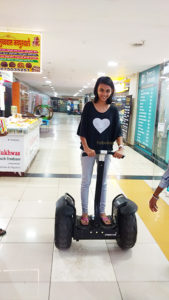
point(20, 52)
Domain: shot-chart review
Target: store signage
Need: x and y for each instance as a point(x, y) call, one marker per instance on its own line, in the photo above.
point(121, 87)
point(146, 112)
point(121, 84)
point(20, 52)
point(126, 117)
point(18, 150)
point(11, 154)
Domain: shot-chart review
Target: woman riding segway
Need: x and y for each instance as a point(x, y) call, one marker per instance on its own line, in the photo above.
point(98, 129)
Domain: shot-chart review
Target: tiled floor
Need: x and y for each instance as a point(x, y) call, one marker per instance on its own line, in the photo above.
point(31, 268)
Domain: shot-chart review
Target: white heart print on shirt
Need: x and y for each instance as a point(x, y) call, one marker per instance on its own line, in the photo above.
point(101, 124)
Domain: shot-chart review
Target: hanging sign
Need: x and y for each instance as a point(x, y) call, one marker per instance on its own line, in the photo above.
point(20, 52)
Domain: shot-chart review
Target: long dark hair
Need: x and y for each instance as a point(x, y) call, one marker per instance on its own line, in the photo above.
point(104, 80)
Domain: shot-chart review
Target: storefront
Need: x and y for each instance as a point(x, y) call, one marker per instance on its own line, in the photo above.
point(20, 143)
point(161, 138)
point(61, 105)
point(123, 101)
point(26, 99)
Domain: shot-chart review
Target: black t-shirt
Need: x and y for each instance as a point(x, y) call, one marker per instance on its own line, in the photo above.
point(99, 129)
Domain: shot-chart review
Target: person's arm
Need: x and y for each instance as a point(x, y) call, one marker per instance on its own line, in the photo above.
point(120, 152)
point(162, 185)
point(89, 152)
point(153, 201)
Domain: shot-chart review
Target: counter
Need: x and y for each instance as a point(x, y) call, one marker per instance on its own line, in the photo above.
point(19, 147)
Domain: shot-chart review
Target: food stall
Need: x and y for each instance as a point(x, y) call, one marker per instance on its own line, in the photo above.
point(19, 143)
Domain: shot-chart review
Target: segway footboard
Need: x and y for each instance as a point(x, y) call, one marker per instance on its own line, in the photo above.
point(123, 214)
point(94, 231)
point(64, 221)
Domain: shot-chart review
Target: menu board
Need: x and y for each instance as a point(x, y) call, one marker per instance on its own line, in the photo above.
point(146, 112)
point(126, 117)
point(20, 52)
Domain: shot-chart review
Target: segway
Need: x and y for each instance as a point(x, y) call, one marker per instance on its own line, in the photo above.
point(123, 225)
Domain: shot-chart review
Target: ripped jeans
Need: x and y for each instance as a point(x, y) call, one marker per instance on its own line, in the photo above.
point(87, 171)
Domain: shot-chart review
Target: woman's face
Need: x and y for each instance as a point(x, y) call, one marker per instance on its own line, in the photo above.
point(104, 91)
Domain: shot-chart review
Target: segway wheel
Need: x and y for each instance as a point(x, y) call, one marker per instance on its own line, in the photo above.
point(63, 232)
point(127, 231)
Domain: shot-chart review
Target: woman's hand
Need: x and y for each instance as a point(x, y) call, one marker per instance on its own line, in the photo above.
point(90, 152)
point(119, 153)
point(87, 150)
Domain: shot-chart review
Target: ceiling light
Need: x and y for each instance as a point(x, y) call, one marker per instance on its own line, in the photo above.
point(31, 234)
point(55, 94)
point(112, 64)
point(85, 86)
point(100, 74)
point(44, 77)
point(48, 81)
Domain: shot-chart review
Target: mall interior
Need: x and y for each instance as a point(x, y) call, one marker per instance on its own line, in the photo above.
point(51, 54)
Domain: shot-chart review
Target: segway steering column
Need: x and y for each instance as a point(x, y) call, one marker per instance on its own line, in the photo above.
point(100, 171)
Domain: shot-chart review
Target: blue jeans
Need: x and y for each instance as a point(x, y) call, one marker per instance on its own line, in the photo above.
point(87, 171)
